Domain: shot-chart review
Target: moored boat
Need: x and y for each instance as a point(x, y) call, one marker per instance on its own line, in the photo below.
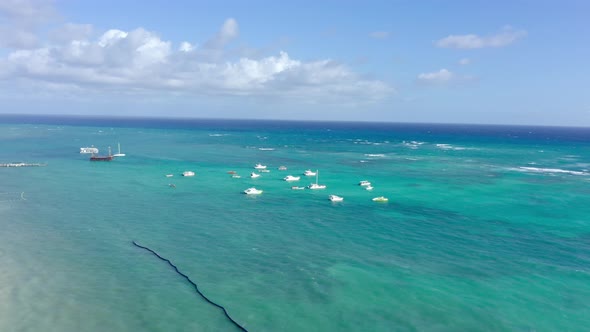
point(252, 191)
point(108, 157)
point(119, 154)
point(335, 198)
point(315, 185)
point(309, 173)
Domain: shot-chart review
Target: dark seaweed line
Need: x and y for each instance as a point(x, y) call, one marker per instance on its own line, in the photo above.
point(194, 285)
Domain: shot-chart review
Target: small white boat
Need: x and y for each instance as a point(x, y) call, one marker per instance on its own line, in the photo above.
point(119, 154)
point(335, 198)
point(380, 199)
point(169, 175)
point(364, 183)
point(252, 191)
point(235, 176)
point(297, 188)
point(91, 150)
point(188, 173)
point(282, 168)
point(309, 173)
point(254, 175)
point(315, 185)
point(260, 166)
point(292, 178)
point(369, 187)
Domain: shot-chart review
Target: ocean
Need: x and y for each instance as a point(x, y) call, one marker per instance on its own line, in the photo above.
point(487, 228)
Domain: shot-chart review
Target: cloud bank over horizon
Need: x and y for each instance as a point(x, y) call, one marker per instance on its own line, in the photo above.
point(139, 61)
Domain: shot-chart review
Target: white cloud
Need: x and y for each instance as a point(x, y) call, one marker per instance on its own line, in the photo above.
point(71, 31)
point(20, 21)
point(505, 37)
point(111, 37)
point(139, 61)
point(464, 61)
point(379, 34)
point(440, 76)
point(229, 31)
point(444, 77)
point(186, 47)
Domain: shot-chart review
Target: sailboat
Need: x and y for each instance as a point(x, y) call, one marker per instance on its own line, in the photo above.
point(119, 154)
point(316, 185)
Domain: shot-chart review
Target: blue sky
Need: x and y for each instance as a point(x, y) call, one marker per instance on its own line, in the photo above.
point(504, 62)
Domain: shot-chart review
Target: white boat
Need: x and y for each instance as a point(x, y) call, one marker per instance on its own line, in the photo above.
point(380, 199)
point(169, 175)
point(260, 166)
point(309, 173)
point(252, 191)
point(188, 173)
point(292, 178)
point(92, 150)
point(282, 168)
point(335, 198)
point(369, 187)
point(254, 175)
point(235, 176)
point(119, 154)
point(297, 188)
point(364, 183)
point(316, 185)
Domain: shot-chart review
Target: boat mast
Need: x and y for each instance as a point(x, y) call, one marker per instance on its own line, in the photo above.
point(119, 147)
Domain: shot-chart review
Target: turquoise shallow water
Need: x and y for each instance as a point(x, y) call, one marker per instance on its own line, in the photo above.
point(486, 229)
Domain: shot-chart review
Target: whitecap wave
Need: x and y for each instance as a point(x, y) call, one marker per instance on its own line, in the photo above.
point(550, 170)
point(451, 147)
point(412, 144)
point(381, 155)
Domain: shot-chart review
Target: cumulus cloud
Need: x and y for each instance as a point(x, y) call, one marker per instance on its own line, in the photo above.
point(379, 34)
point(141, 61)
point(505, 37)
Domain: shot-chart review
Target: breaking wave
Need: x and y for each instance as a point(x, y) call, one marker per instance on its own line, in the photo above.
point(549, 170)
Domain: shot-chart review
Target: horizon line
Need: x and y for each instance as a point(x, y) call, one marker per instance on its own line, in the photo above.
point(159, 117)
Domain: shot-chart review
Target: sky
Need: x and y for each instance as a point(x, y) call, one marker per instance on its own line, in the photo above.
point(487, 62)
